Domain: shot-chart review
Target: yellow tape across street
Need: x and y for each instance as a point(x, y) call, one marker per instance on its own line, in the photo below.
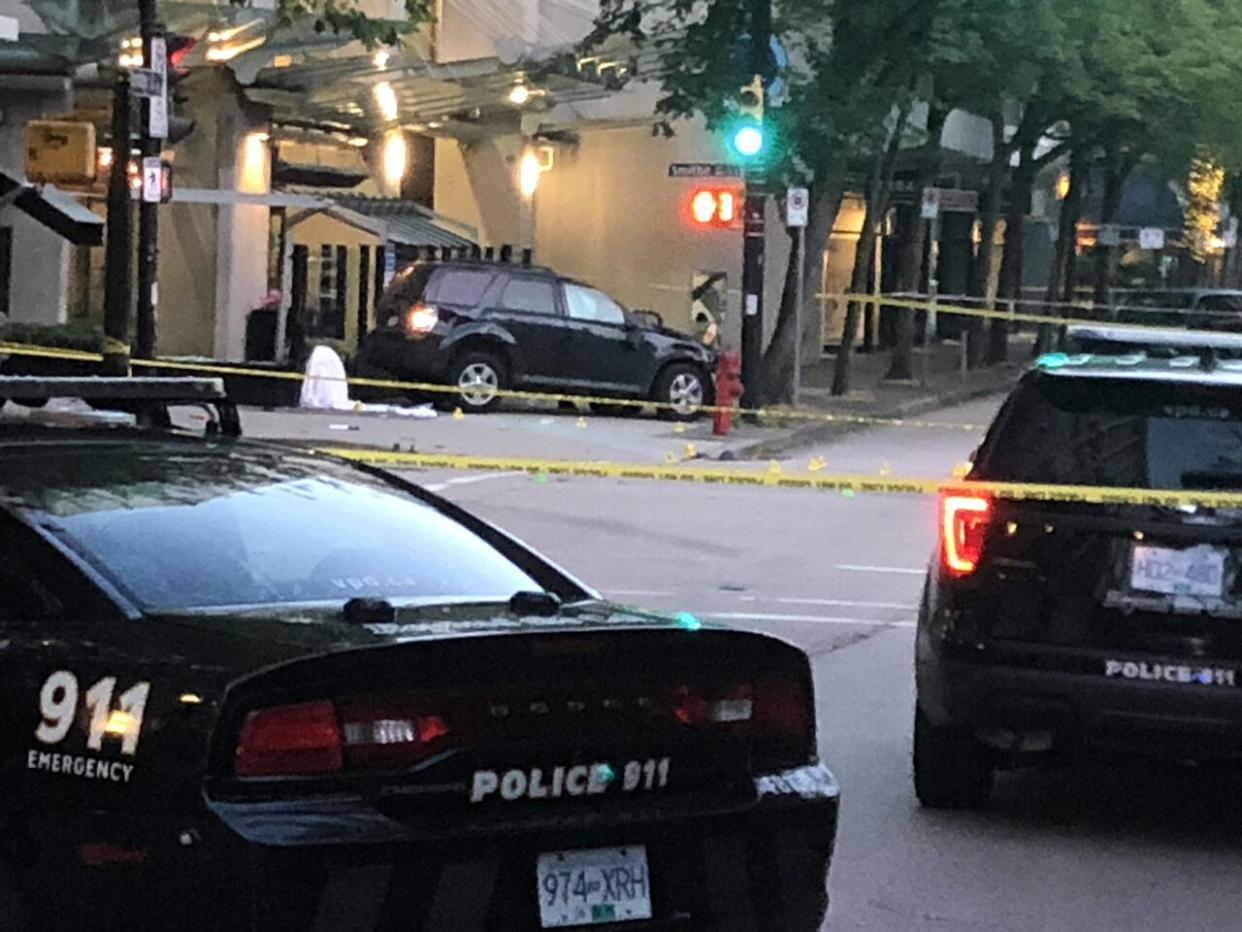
point(789, 414)
point(776, 476)
point(774, 413)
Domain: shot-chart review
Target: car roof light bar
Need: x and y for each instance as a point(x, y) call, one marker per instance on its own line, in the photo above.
point(1194, 341)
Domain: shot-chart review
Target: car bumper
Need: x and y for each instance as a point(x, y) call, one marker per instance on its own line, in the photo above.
point(1034, 700)
point(405, 359)
point(761, 867)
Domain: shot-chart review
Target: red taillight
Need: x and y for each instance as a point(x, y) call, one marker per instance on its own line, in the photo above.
point(963, 527)
point(291, 740)
point(383, 733)
point(319, 738)
point(771, 709)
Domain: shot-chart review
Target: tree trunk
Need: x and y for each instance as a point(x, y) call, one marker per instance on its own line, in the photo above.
point(879, 188)
point(1060, 280)
point(910, 262)
point(998, 172)
point(1010, 287)
point(776, 372)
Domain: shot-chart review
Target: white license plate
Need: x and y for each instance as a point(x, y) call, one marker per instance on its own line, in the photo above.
point(1197, 571)
point(585, 888)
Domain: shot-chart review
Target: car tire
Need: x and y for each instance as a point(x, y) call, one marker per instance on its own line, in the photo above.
point(952, 770)
point(686, 388)
point(479, 376)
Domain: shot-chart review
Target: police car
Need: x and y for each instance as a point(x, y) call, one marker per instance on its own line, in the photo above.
point(1062, 629)
point(244, 687)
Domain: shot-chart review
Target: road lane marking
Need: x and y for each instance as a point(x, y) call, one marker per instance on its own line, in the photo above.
point(470, 480)
point(831, 603)
point(808, 619)
point(897, 570)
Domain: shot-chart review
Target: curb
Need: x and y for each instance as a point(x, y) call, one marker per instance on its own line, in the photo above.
point(820, 433)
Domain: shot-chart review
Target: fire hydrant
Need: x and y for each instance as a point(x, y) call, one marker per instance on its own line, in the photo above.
point(729, 389)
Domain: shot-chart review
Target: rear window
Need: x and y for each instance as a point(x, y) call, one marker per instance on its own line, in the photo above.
point(1117, 432)
point(193, 532)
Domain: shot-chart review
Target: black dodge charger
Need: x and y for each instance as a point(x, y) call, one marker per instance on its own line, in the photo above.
point(243, 687)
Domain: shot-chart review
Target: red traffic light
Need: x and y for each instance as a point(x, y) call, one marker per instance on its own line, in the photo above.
point(715, 207)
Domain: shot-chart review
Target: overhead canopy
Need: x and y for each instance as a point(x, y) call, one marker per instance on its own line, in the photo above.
point(54, 209)
point(407, 223)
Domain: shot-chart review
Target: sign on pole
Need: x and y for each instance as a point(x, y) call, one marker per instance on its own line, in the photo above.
point(797, 207)
point(157, 109)
point(145, 82)
point(703, 170)
point(1109, 234)
point(152, 180)
point(931, 204)
point(1151, 238)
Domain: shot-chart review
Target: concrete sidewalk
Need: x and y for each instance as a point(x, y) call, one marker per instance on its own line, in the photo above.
point(534, 431)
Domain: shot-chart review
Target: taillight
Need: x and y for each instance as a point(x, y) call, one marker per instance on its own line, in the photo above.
point(963, 526)
point(775, 709)
point(292, 740)
point(421, 319)
point(384, 733)
point(318, 738)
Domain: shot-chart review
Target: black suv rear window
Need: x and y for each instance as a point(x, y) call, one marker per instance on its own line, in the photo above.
point(1127, 433)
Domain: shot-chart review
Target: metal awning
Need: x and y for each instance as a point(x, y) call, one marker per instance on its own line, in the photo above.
point(55, 209)
point(409, 224)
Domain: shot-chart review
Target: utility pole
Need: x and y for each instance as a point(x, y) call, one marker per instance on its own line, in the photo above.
point(154, 131)
point(754, 235)
point(117, 291)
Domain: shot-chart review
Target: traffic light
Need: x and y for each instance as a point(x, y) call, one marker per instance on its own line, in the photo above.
point(179, 47)
point(717, 208)
point(746, 133)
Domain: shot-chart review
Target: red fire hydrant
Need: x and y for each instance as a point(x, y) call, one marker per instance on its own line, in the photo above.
point(728, 390)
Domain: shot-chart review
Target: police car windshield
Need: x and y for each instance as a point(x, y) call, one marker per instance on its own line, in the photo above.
point(185, 533)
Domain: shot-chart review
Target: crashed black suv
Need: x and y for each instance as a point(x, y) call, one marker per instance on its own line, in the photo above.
point(1065, 626)
point(244, 688)
point(487, 327)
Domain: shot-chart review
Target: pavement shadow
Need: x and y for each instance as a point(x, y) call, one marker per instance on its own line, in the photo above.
point(1141, 800)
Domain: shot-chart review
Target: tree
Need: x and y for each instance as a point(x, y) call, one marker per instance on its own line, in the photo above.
point(344, 18)
point(851, 68)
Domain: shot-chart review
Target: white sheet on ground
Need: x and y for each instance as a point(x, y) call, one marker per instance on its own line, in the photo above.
point(325, 389)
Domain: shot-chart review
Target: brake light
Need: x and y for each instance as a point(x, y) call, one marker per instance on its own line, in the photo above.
point(771, 709)
point(390, 733)
point(421, 319)
point(292, 740)
point(964, 525)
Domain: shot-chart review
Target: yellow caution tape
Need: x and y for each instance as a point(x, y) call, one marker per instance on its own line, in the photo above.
point(17, 349)
point(776, 476)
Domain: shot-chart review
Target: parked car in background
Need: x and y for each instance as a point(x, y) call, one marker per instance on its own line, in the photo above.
point(1194, 308)
point(484, 328)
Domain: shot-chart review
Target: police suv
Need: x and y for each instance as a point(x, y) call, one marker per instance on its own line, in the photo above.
point(248, 688)
point(1053, 629)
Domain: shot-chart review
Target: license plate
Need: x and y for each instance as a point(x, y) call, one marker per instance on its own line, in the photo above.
point(585, 888)
point(1197, 571)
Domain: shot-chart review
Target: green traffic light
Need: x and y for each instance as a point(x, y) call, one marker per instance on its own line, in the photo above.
point(748, 141)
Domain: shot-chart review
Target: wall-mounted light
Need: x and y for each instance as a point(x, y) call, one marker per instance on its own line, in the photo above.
point(1063, 187)
point(396, 158)
point(519, 94)
point(381, 59)
point(386, 100)
point(359, 142)
point(528, 174)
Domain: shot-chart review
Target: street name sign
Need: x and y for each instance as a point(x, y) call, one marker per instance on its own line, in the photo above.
point(157, 108)
point(703, 170)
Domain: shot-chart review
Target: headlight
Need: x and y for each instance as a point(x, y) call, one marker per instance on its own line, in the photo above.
point(421, 319)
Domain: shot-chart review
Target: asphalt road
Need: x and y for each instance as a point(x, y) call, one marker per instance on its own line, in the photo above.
point(1129, 851)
